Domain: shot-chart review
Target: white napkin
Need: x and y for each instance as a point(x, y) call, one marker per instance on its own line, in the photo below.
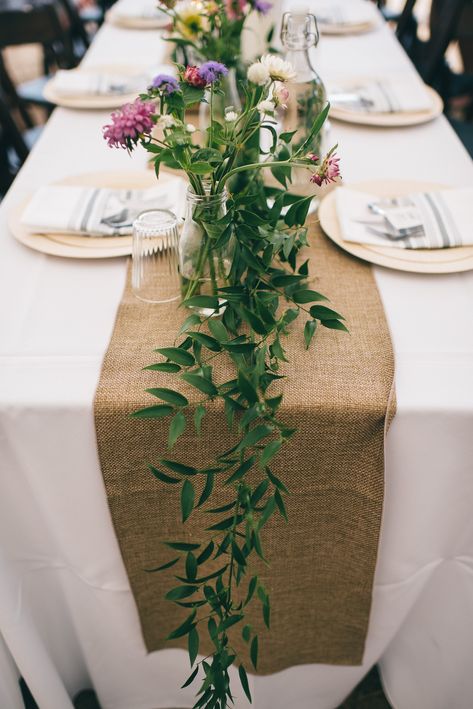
point(78, 83)
point(344, 12)
point(400, 93)
point(141, 9)
point(446, 215)
point(67, 209)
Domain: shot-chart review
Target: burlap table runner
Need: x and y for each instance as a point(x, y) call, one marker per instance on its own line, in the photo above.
point(337, 395)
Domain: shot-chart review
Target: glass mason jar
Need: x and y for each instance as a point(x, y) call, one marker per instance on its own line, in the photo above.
point(206, 245)
point(308, 97)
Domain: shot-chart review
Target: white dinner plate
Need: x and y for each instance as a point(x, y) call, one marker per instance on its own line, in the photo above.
point(97, 102)
point(451, 260)
point(89, 247)
point(161, 21)
point(391, 120)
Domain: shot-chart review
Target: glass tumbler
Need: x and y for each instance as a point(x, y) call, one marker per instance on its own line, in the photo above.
point(155, 274)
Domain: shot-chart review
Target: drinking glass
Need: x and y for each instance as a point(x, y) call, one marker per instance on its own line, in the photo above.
point(155, 275)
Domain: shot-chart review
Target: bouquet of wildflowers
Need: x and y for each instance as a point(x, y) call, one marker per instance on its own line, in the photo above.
point(243, 280)
point(211, 29)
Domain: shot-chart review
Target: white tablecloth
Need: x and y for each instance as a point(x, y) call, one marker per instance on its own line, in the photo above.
point(66, 611)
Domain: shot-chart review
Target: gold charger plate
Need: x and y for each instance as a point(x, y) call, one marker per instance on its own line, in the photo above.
point(136, 23)
point(391, 120)
point(70, 246)
point(91, 102)
point(358, 28)
point(453, 260)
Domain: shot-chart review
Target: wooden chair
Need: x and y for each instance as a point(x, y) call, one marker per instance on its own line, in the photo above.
point(14, 148)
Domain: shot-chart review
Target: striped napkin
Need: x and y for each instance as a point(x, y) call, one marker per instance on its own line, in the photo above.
point(446, 217)
point(401, 93)
point(344, 12)
point(78, 83)
point(67, 209)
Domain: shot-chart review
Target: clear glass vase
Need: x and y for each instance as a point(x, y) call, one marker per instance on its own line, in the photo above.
point(206, 245)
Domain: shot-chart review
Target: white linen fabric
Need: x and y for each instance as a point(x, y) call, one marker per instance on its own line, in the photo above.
point(93, 211)
point(75, 623)
point(446, 218)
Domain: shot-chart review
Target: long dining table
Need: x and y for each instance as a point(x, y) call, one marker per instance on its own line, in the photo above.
point(67, 615)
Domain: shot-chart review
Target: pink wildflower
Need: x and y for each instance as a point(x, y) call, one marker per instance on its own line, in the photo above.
point(280, 94)
point(129, 124)
point(328, 171)
point(313, 157)
point(193, 77)
point(235, 9)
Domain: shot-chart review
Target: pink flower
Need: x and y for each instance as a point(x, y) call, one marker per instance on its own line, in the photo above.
point(313, 157)
point(129, 124)
point(328, 171)
point(193, 77)
point(235, 9)
point(280, 94)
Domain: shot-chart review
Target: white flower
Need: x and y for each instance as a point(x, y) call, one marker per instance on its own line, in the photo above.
point(231, 116)
point(258, 74)
point(190, 128)
point(166, 121)
point(266, 107)
point(278, 69)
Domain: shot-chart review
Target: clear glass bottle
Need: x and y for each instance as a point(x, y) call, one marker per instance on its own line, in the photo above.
point(308, 97)
point(205, 246)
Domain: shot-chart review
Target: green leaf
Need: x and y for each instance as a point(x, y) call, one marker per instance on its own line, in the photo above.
point(207, 491)
point(187, 499)
point(222, 508)
point(246, 633)
point(304, 268)
point(297, 213)
point(229, 622)
point(206, 554)
point(238, 554)
point(244, 682)
point(241, 470)
point(247, 388)
point(209, 342)
point(178, 467)
point(163, 477)
point(307, 296)
point(167, 565)
point(184, 628)
point(225, 523)
point(315, 130)
point(191, 677)
point(153, 412)
point(176, 428)
point(267, 615)
point(255, 435)
point(193, 646)
point(198, 416)
point(334, 325)
point(175, 594)
point(191, 566)
point(239, 347)
point(254, 651)
point(202, 301)
point(200, 168)
point(259, 492)
point(251, 590)
point(218, 329)
point(269, 452)
point(199, 382)
point(280, 504)
point(182, 546)
point(274, 403)
point(172, 397)
point(287, 136)
point(276, 481)
point(254, 321)
point(309, 331)
point(168, 367)
point(284, 281)
point(178, 355)
point(323, 313)
point(191, 320)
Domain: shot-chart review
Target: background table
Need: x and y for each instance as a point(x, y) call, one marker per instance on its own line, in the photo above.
point(66, 611)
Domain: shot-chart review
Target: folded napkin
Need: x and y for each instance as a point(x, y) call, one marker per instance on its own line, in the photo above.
point(68, 209)
point(392, 94)
point(344, 12)
point(446, 217)
point(78, 83)
point(138, 9)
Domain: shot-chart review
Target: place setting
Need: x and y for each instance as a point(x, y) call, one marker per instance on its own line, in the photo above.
point(345, 17)
point(391, 101)
point(137, 14)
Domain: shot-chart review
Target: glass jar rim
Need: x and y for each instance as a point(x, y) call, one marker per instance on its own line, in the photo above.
point(206, 198)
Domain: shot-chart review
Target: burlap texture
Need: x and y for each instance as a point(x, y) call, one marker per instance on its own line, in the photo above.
point(322, 563)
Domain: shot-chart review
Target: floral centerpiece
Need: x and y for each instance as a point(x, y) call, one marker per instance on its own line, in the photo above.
point(245, 284)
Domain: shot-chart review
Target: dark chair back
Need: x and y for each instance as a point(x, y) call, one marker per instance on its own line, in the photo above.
point(13, 149)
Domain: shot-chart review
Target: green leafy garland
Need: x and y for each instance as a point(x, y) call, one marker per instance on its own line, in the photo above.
point(266, 290)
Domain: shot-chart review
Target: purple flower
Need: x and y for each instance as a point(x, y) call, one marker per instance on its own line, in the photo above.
point(262, 6)
point(129, 123)
point(166, 83)
point(212, 71)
